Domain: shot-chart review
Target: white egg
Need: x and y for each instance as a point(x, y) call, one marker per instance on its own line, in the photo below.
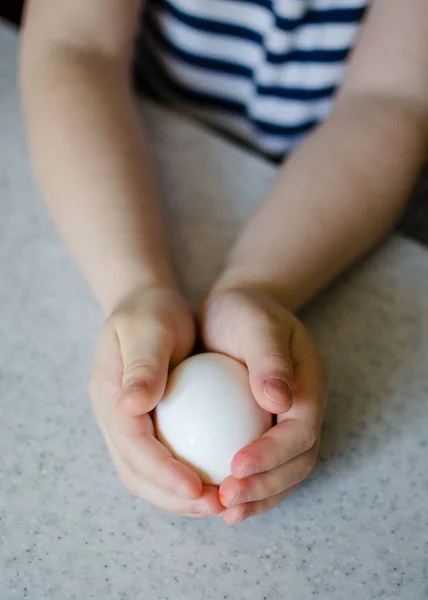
point(208, 413)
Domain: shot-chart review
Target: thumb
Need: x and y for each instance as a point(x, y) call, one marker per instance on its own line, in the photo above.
point(270, 366)
point(146, 351)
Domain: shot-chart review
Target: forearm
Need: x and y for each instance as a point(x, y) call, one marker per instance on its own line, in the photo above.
point(94, 171)
point(339, 193)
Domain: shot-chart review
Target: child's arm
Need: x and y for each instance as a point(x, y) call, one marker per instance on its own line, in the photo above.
point(87, 143)
point(92, 164)
point(347, 184)
point(340, 192)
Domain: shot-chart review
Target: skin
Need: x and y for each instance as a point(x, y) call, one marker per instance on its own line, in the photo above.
point(362, 164)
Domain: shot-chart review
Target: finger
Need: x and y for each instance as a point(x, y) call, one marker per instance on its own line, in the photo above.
point(282, 443)
point(258, 487)
point(299, 428)
point(207, 504)
point(148, 458)
point(146, 349)
point(310, 378)
point(269, 362)
point(106, 380)
point(237, 514)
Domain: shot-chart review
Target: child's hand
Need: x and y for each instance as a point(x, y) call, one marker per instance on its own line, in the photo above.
point(287, 378)
point(149, 331)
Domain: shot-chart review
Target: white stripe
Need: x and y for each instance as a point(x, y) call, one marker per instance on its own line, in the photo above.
point(326, 37)
point(306, 76)
point(311, 37)
point(295, 9)
point(285, 112)
point(289, 9)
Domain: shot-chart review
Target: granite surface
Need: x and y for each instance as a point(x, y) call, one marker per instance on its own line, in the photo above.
point(357, 529)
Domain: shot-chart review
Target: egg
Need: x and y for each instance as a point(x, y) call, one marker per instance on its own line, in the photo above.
point(208, 413)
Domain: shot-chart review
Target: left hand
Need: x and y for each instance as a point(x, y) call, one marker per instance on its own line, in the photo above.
point(287, 379)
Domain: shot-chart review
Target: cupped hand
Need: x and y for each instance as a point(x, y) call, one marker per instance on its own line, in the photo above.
point(287, 379)
point(149, 331)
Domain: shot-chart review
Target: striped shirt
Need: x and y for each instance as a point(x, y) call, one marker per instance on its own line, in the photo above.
point(265, 71)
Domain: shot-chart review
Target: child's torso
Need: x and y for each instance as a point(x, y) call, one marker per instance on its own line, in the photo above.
point(263, 70)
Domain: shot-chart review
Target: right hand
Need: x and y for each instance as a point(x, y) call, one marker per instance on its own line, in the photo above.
point(150, 331)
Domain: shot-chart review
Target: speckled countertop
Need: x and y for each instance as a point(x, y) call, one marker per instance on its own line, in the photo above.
point(358, 529)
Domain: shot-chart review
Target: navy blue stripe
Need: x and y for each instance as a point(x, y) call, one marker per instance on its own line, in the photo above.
point(332, 16)
point(207, 100)
point(220, 66)
point(296, 93)
point(327, 16)
point(309, 56)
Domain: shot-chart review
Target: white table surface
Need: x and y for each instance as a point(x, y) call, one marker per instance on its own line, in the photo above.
point(358, 529)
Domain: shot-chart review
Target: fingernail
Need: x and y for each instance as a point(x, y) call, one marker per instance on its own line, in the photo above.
point(250, 470)
point(244, 516)
point(135, 387)
point(203, 509)
point(241, 498)
point(278, 390)
point(184, 492)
